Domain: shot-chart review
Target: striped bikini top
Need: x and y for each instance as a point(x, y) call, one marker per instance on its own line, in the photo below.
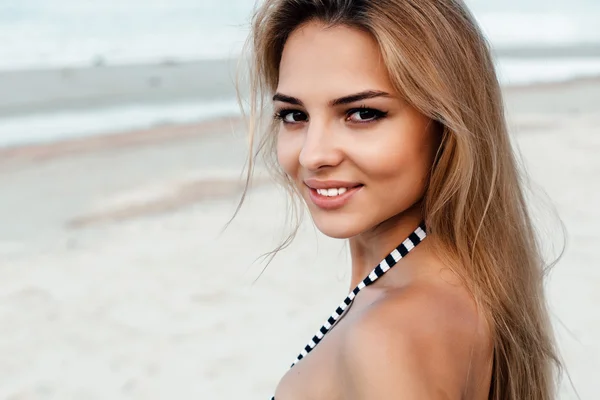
point(385, 265)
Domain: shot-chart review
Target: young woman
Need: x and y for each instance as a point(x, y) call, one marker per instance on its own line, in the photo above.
point(389, 124)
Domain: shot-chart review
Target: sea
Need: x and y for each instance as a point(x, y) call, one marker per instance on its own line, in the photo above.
point(39, 34)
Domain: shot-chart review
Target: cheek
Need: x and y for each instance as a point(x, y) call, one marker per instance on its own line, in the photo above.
point(288, 153)
point(396, 168)
point(401, 158)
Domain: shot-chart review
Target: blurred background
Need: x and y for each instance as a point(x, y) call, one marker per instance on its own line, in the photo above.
point(121, 149)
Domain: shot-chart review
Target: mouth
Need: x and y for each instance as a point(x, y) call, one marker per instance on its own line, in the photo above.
point(333, 198)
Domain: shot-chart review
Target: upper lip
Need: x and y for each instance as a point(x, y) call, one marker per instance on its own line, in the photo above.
point(317, 184)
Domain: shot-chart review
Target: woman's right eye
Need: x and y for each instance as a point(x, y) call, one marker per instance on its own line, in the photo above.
point(291, 116)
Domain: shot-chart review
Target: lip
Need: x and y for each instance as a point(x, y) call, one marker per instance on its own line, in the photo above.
point(317, 184)
point(335, 202)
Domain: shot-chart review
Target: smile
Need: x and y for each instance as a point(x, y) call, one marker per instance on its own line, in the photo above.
point(333, 198)
point(332, 192)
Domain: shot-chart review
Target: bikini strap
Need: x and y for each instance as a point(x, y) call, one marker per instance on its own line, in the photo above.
point(385, 265)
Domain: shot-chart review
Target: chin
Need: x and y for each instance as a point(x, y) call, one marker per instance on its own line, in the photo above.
point(339, 227)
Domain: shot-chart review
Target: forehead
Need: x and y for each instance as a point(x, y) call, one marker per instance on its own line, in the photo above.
point(331, 60)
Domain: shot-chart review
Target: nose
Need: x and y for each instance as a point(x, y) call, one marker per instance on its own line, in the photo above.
point(320, 148)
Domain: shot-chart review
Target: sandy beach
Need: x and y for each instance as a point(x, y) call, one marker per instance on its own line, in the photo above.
point(117, 281)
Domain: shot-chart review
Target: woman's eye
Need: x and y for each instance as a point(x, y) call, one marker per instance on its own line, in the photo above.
point(291, 116)
point(365, 115)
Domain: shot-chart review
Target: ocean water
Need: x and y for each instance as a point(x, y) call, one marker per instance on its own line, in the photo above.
point(50, 127)
point(65, 33)
point(43, 33)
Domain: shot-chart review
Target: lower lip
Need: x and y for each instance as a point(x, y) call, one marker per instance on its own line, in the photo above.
point(333, 202)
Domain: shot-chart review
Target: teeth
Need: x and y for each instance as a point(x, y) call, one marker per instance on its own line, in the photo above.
point(332, 192)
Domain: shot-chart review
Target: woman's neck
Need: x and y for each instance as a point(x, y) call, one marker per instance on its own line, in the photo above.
point(369, 248)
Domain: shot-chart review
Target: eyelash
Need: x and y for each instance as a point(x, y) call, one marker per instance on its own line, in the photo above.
point(284, 112)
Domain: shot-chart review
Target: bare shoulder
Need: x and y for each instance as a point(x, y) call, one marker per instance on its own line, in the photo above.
point(427, 340)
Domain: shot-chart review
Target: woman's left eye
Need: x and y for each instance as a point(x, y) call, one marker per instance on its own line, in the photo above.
point(364, 115)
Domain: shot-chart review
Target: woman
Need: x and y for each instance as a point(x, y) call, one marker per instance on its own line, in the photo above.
point(389, 124)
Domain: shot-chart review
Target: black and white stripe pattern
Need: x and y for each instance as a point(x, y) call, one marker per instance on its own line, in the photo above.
point(385, 265)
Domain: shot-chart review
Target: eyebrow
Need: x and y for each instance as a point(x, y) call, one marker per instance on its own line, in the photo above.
point(368, 94)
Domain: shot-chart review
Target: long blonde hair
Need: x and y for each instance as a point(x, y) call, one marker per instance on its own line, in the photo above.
point(439, 61)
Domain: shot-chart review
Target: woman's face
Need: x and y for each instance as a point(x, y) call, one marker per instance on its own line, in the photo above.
point(357, 152)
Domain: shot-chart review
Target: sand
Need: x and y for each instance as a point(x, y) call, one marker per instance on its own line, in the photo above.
point(117, 281)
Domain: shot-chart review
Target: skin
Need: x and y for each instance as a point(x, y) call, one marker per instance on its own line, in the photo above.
point(415, 333)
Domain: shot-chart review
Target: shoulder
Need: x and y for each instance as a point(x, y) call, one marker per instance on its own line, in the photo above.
point(417, 342)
